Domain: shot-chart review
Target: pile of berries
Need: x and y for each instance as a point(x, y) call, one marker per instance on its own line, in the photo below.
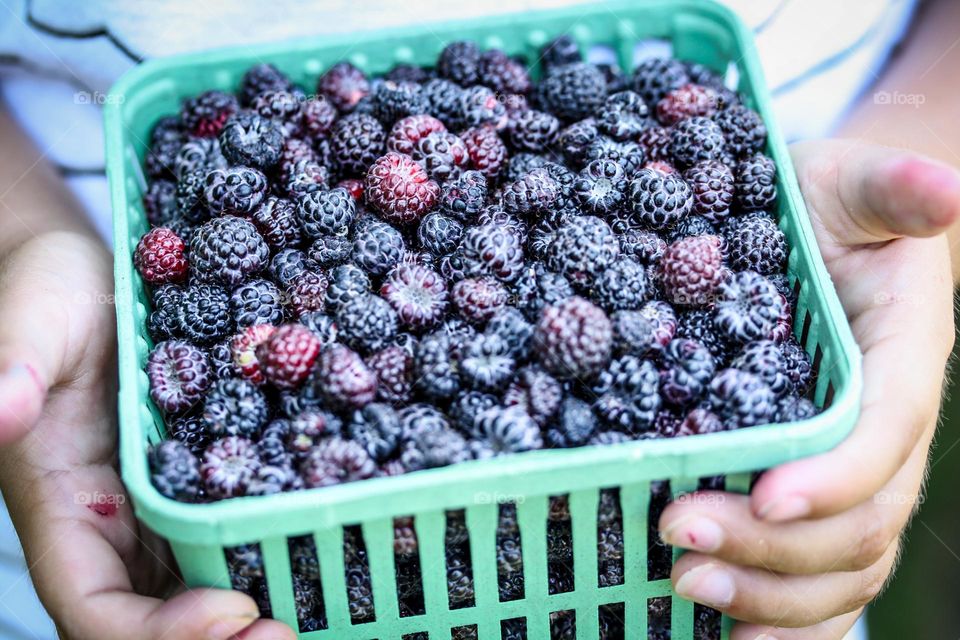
point(450, 264)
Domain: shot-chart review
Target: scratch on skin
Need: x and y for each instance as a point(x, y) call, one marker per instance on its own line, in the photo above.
point(104, 510)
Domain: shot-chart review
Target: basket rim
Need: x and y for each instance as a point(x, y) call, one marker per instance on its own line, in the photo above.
point(174, 520)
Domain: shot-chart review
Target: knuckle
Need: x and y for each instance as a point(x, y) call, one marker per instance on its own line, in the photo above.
point(873, 543)
point(872, 582)
point(775, 557)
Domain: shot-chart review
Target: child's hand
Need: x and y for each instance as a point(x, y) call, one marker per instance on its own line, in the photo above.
point(100, 576)
point(817, 539)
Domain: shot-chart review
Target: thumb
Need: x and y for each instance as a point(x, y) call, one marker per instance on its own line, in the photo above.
point(865, 193)
point(33, 339)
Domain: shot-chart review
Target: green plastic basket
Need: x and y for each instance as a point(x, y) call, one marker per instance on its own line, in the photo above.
point(198, 534)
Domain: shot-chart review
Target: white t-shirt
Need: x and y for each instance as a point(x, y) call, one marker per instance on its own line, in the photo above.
point(56, 57)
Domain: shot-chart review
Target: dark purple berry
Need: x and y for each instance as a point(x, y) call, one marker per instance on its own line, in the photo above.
point(175, 471)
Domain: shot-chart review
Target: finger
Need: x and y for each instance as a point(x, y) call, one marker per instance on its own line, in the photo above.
point(33, 339)
point(267, 630)
point(53, 322)
point(724, 526)
point(903, 376)
point(762, 597)
point(208, 614)
point(90, 596)
point(906, 346)
point(22, 391)
point(885, 193)
point(832, 629)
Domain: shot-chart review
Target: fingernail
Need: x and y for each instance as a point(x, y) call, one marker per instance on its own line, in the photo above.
point(229, 627)
point(785, 508)
point(765, 636)
point(707, 584)
point(696, 533)
point(15, 371)
point(21, 373)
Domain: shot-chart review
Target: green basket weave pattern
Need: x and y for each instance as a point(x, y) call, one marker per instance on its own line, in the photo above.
point(698, 31)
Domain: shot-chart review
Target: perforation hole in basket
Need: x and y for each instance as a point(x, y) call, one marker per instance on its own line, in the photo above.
point(796, 287)
point(817, 359)
point(406, 556)
point(805, 327)
point(513, 629)
point(712, 483)
point(460, 593)
point(650, 48)
point(307, 590)
point(706, 623)
point(609, 539)
point(465, 632)
point(658, 618)
point(245, 565)
point(356, 570)
point(731, 77)
point(602, 54)
point(509, 554)
point(659, 555)
point(419, 635)
point(560, 557)
point(828, 396)
point(611, 618)
point(563, 625)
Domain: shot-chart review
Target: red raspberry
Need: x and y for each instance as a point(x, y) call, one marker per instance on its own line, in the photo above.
point(244, 351)
point(713, 189)
point(205, 114)
point(179, 375)
point(317, 116)
point(488, 153)
point(691, 270)
point(688, 100)
point(655, 142)
point(502, 73)
point(660, 165)
point(309, 427)
point(229, 466)
point(443, 155)
point(276, 220)
point(354, 187)
point(335, 461)
point(407, 132)
point(288, 356)
point(160, 257)
point(417, 293)
point(400, 189)
point(393, 367)
point(293, 153)
point(479, 299)
point(700, 421)
point(307, 292)
point(662, 319)
point(344, 85)
point(574, 339)
point(345, 380)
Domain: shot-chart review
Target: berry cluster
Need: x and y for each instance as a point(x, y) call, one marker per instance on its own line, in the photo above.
point(458, 263)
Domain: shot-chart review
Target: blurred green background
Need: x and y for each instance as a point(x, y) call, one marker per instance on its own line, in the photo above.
point(922, 601)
